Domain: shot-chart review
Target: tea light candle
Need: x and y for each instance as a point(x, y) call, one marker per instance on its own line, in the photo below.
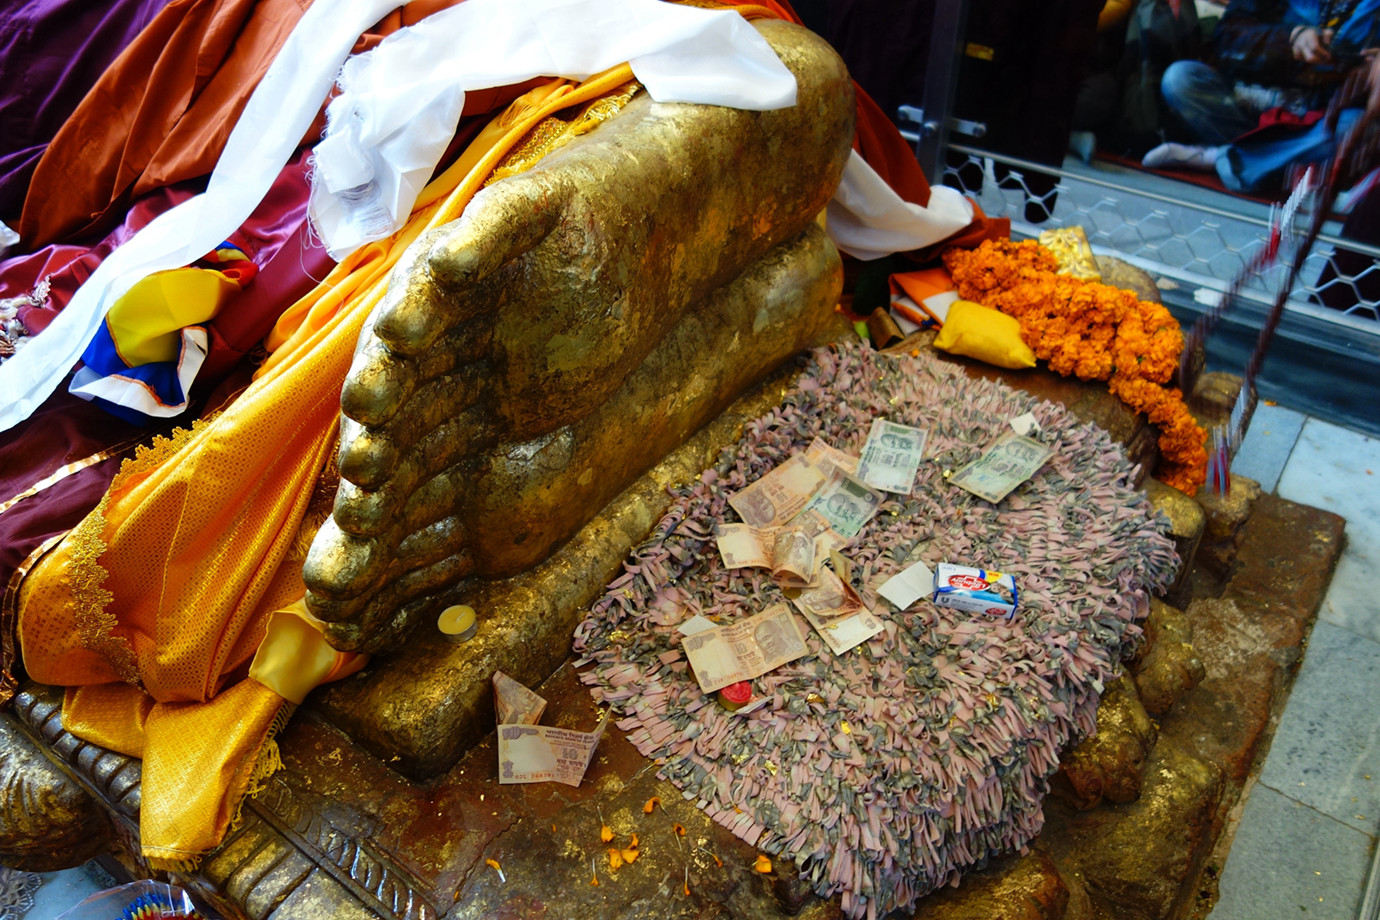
point(457, 623)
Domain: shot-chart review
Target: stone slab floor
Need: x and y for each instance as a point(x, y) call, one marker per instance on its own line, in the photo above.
point(1306, 843)
point(1305, 846)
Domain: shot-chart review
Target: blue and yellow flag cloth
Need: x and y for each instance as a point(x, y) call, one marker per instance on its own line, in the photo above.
point(142, 361)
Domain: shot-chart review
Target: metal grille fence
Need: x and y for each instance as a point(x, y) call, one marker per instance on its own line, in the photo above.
point(1186, 235)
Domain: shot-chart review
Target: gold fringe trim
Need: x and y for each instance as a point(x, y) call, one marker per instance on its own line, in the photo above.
point(183, 865)
point(268, 761)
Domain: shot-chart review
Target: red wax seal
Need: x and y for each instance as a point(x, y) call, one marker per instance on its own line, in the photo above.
point(736, 696)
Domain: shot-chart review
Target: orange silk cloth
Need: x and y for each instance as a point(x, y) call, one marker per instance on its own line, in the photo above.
point(154, 605)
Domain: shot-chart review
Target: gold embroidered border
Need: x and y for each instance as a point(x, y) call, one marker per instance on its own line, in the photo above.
point(86, 575)
point(160, 448)
point(90, 600)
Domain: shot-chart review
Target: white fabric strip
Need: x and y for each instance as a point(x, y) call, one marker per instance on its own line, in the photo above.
point(400, 103)
point(274, 120)
point(868, 220)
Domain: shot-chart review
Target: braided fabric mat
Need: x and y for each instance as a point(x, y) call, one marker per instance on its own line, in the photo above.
point(887, 771)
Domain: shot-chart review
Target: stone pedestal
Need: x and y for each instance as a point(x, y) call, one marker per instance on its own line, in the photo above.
point(341, 833)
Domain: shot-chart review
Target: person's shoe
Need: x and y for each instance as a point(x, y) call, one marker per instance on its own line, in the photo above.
point(1181, 156)
point(1082, 144)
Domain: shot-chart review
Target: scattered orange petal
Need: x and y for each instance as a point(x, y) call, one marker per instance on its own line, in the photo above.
point(633, 845)
point(595, 869)
point(615, 858)
point(686, 886)
point(915, 352)
point(763, 864)
point(630, 855)
point(493, 864)
point(553, 828)
point(652, 803)
point(717, 861)
point(679, 829)
point(606, 833)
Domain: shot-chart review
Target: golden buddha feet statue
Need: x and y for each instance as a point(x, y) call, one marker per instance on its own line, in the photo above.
point(518, 374)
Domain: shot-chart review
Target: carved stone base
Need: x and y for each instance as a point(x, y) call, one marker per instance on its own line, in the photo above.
point(342, 834)
point(51, 822)
point(1169, 665)
point(1109, 765)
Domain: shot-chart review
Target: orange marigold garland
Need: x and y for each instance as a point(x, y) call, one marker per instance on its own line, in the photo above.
point(1091, 331)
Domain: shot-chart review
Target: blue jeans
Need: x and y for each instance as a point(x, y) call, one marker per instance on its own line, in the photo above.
point(1202, 100)
point(1261, 160)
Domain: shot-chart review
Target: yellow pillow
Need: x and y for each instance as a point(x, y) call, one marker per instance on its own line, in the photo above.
point(984, 333)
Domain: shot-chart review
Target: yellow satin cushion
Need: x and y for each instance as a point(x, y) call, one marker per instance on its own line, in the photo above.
point(981, 332)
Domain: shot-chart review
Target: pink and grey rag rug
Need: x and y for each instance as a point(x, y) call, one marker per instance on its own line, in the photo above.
point(889, 770)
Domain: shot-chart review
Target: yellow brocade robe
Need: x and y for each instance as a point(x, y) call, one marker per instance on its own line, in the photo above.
point(153, 609)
